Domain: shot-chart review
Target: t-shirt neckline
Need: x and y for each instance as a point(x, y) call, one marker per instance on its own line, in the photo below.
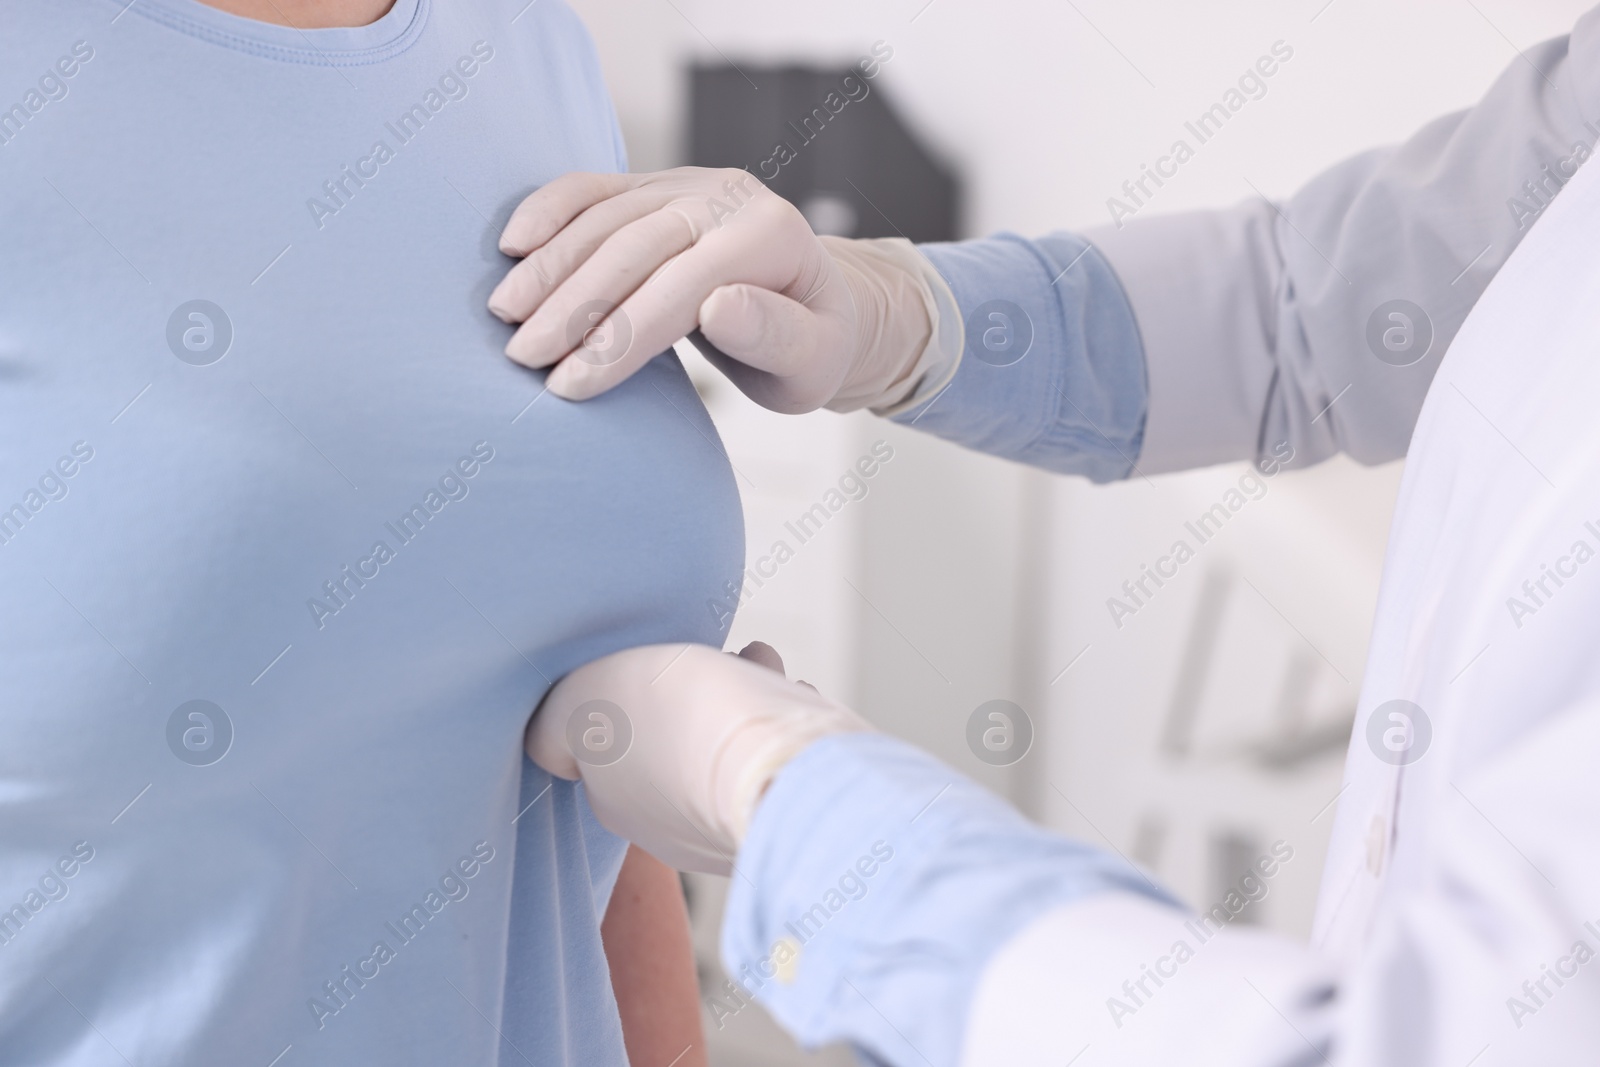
point(346, 46)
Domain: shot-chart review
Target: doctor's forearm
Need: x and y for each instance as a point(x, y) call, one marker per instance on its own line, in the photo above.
point(1048, 366)
point(875, 883)
point(882, 899)
point(1241, 334)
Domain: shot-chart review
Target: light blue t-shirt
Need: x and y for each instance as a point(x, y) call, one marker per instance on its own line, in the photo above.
point(289, 550)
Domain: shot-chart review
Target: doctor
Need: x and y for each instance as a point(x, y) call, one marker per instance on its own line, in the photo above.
point(879, 898)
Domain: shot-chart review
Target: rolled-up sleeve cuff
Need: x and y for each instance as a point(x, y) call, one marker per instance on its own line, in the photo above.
point(874, 884)
point(1051, 367)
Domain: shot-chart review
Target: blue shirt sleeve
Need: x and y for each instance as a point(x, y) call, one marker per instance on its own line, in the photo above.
point(1052, 373)
point(873, 886)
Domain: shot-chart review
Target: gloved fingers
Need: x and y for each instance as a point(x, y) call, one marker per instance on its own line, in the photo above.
point(546, 740)
point(568, 319)
point(589, 372)
point(551, 262)
point(764, 654)
point(625, 679)
point(677, 743)
point(633, 807)
point(657, 313)
point(560, 226)
point(582, 718)
point(618, 270)
point(663, 309)
point(543, 213)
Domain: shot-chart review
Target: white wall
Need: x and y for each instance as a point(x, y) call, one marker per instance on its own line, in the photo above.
point(974, 579)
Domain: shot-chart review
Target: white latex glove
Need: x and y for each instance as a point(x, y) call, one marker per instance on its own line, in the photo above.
point(676, 744)
point(618, 267)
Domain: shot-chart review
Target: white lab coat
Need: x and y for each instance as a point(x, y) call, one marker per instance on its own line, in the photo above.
point(1459, 919)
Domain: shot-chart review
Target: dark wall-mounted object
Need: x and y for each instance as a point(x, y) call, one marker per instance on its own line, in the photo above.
point(828, 141)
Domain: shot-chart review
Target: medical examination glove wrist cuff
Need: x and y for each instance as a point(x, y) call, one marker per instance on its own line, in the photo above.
point(936, 367)
point(898, 304)
point(760, 747)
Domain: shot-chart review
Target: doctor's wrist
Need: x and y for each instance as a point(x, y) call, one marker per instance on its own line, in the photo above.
point(756, 753)
point(903, 315)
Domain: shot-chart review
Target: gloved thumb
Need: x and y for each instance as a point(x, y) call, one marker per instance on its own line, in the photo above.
point(760, 328)
point(772, 347)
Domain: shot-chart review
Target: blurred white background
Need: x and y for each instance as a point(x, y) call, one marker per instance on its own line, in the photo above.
point(1211, 724)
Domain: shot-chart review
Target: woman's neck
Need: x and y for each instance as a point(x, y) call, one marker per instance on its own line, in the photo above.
point(306, 14)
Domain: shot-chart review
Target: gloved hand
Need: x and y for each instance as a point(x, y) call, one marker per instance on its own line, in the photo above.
point(676, 744)
point(617, 267)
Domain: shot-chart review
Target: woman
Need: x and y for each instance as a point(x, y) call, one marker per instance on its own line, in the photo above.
point(272, 632)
